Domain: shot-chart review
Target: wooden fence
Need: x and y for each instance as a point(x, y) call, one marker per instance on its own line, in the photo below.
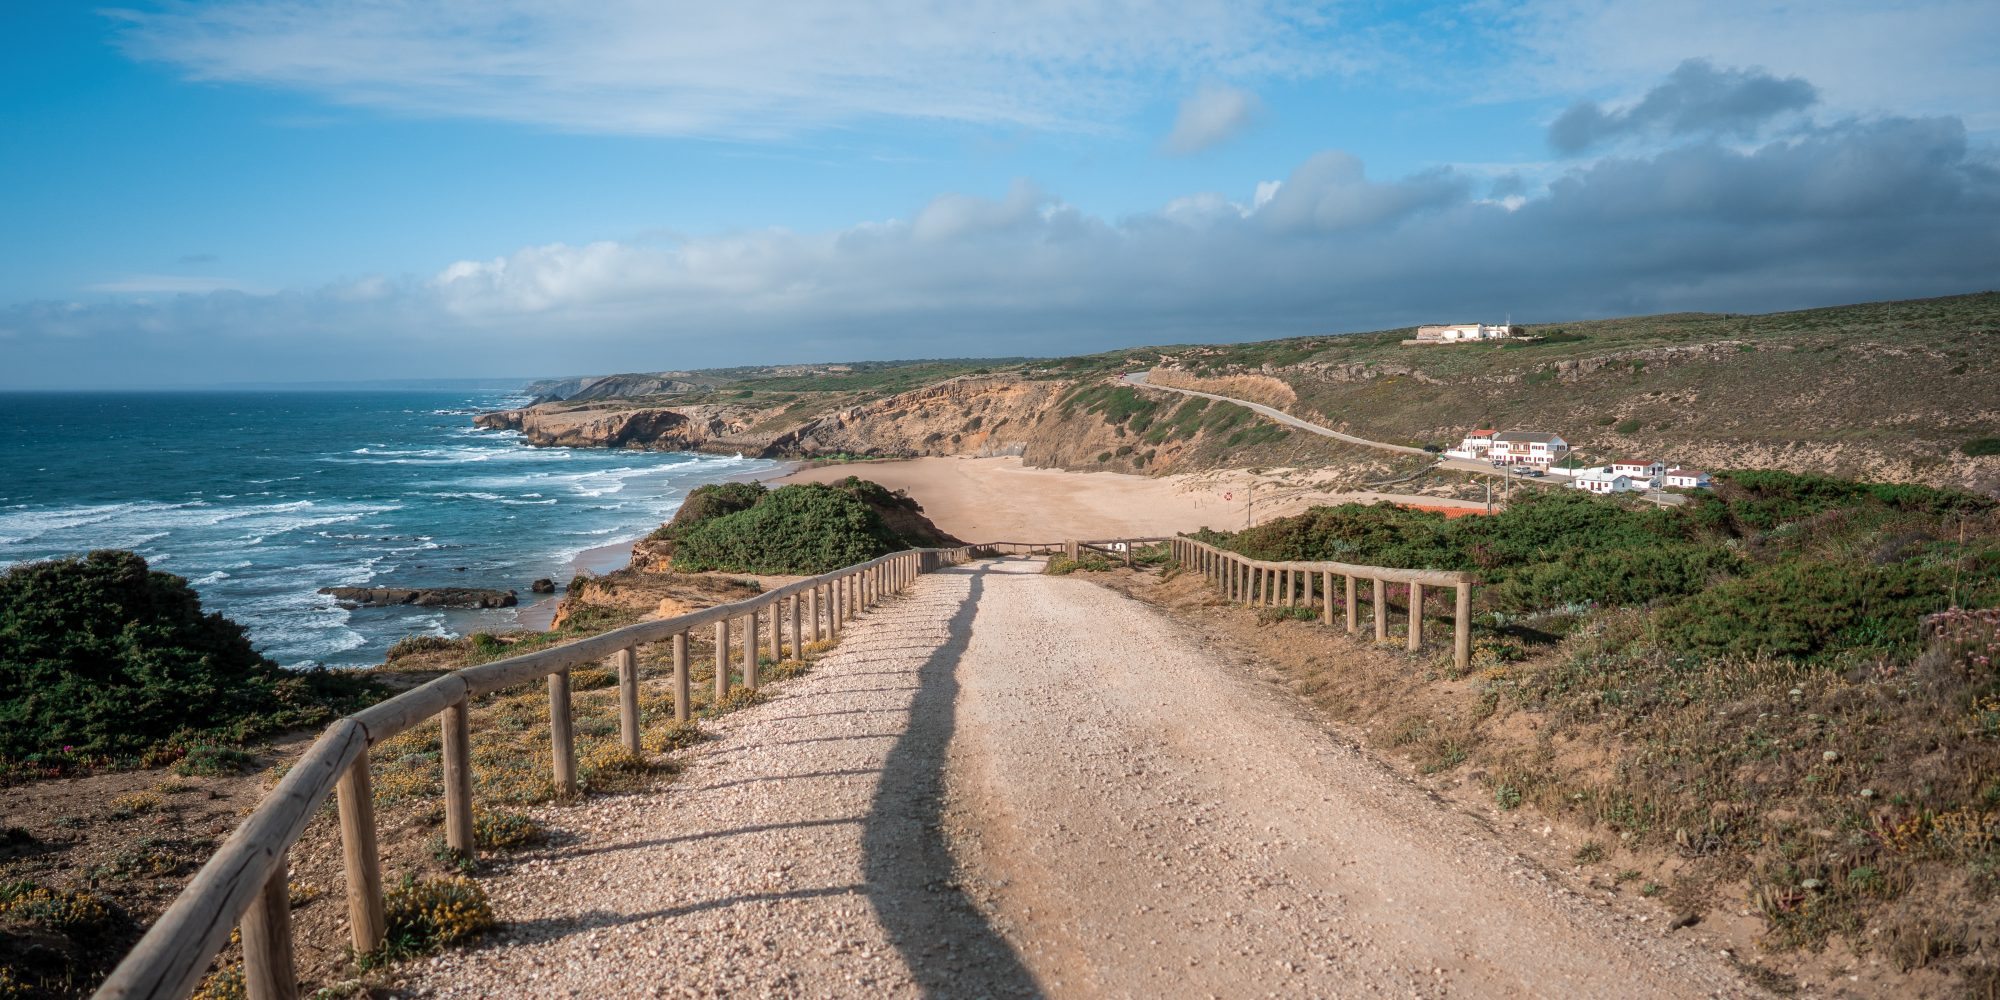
point(1295, 584)
point(245, 883)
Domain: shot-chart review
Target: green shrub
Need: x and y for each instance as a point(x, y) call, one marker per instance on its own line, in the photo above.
point(1981, 446)
point(101, 655)
point(417, 645)
point(1089, 561)
point(499, 830)
point(425, 916)
point(705, 503)
point(210, 760)
point(1628, 426)
point(1797, 567)
point(804, 528)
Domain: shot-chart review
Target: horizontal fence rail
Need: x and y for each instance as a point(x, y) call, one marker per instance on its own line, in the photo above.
point(245, 883)
point(1295, 584)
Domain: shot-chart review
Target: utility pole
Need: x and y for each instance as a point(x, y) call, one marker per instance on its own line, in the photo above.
point(1250, 506)
point(1489, 494)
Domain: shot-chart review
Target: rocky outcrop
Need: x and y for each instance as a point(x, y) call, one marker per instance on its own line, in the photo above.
point(614, 387)
point(423, 597)
point(657, 428)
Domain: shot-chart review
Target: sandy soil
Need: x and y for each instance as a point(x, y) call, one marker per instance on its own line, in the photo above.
point(1005, 784)
point(1000, 499)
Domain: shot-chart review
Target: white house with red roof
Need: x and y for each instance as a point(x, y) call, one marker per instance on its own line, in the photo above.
point(1688, 479)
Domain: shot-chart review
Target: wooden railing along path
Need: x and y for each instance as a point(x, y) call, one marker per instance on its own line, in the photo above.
point(245, 883)
point(1291, 584)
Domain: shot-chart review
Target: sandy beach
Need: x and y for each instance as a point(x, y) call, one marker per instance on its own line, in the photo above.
point(1000, 499)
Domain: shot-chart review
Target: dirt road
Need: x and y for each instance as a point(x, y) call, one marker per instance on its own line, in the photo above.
point(1006, 784)
point(1139, 379)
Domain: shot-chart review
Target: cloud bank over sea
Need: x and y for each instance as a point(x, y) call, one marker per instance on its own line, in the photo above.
point(1775, 210)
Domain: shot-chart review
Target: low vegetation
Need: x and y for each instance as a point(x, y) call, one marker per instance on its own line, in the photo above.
point(104, 661)
point(1787, 685)
point(804, 528)
point(1771, 564)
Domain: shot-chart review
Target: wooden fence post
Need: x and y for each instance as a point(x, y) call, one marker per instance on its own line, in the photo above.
point(562, 735)
point(812, 613)
point(457, 743)
point(1271, 588)
point(1461, 627)
point(798, 628)
point(1285, 588)
point(1416, 617)
point(268, 970)
point(750, 650)
point(627, 662)
point(721, 660)
point(1353, 607)
point(681, 698)
point(1381, 611)
point(1326, 592)
point(355, 799)
point(777, 632)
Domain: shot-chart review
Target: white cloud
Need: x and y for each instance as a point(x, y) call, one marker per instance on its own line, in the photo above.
point(752, 68)
point(1854, 211)
point(1212, 116)
point(1918, 57)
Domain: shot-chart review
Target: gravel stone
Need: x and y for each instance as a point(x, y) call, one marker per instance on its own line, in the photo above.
point(1006, 784)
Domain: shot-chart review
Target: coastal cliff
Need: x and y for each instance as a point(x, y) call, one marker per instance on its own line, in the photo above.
point(1893, 392)
point(1079, 424)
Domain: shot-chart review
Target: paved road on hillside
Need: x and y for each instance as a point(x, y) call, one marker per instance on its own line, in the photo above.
point(1005, 784)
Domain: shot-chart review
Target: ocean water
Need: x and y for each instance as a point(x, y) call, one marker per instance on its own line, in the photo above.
point(259, 499)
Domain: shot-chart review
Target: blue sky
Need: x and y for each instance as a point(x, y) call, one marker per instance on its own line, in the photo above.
point(269, 190)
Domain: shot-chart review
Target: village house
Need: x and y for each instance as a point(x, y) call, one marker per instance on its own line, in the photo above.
point(1602, 480)
point(1537, 448)
point(1476, 445)
point(1688, 479)
point(1648, 472)
point(1457, 333)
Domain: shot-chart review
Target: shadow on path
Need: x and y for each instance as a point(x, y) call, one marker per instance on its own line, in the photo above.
point(907, 867)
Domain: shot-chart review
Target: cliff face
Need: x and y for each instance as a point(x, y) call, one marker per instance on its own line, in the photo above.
point(655, 428)
point(1055, 423)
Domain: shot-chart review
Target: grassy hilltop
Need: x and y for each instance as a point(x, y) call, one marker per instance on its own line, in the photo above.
point(1892, 391)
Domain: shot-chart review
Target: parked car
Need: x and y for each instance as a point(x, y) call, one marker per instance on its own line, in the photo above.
point(1529, 472)
point(1434, 448)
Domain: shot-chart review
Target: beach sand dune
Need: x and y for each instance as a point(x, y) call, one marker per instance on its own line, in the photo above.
point(1000, 499)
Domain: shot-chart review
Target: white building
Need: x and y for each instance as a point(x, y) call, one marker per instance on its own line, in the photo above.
point(1641, 471)
point(1537, 448)
point(1459, 332)
point(1476, 445)
point(1602, 480)
point(1688, 479)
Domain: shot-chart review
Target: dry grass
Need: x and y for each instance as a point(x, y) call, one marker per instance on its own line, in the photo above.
point(1857, 810)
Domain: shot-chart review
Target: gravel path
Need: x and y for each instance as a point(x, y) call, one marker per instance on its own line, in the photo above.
point(1131, 817)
